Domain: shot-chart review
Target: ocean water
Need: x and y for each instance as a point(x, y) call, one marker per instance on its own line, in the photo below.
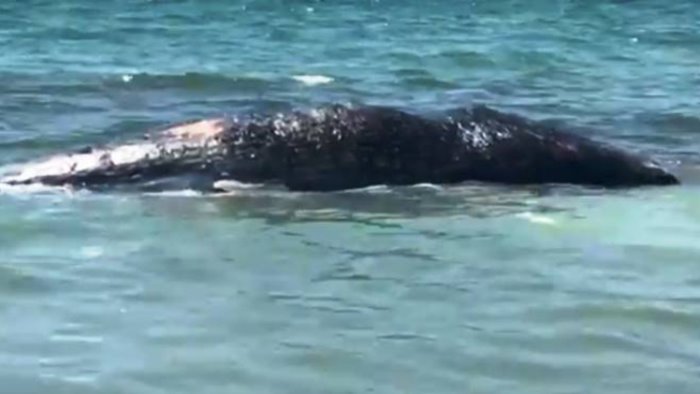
point(471, 288)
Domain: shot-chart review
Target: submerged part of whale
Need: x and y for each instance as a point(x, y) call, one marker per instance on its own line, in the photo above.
point(342, 147)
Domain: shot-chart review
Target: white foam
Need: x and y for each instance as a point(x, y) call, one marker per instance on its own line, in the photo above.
point(127, 78)
point(176, 193)
point(33, 188)
point(313, 80)
point(537, 218)
point(429, 186)
point(373, 189)
point(91, 252)
point(230, 184)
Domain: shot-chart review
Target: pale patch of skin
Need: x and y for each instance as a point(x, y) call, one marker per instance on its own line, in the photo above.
point(198, 130)
point(194, 134)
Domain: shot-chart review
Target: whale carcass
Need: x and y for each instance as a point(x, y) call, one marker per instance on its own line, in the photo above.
point(341, 147)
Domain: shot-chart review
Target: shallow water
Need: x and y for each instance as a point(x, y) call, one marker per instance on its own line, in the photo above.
point(469, 288)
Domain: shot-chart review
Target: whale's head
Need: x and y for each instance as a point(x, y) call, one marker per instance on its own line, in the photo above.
point(618, 168)
point(589, 161)
point(650, 172)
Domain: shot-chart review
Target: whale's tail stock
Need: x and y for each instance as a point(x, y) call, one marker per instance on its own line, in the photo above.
point(180, 149)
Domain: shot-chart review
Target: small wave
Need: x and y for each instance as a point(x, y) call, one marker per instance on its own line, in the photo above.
point(70, 84)
point(313, 80)
point(428, 186)
point(223, 188)
point(230, 184)
point(91, 252)
point(428, 82)
point(673, 122)
point(33, 188)
point(537, 218)
point(468, 59)
point(176, 193)
point(192, 81)
point(373, 189)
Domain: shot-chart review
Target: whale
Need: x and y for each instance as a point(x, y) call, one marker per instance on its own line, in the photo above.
point(337, 147)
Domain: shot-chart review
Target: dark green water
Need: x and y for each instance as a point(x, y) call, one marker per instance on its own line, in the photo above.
point(471, 288)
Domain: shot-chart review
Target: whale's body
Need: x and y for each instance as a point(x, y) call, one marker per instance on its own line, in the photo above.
point(340, 147)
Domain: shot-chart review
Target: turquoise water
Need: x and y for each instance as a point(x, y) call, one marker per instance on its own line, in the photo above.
point(470, 288)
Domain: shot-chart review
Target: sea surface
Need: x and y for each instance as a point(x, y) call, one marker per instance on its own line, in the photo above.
point(471, 288)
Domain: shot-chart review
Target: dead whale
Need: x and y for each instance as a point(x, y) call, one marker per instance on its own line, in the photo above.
point(341, 147)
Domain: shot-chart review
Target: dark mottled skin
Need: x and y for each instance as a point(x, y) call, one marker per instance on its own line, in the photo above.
point(339, 147)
